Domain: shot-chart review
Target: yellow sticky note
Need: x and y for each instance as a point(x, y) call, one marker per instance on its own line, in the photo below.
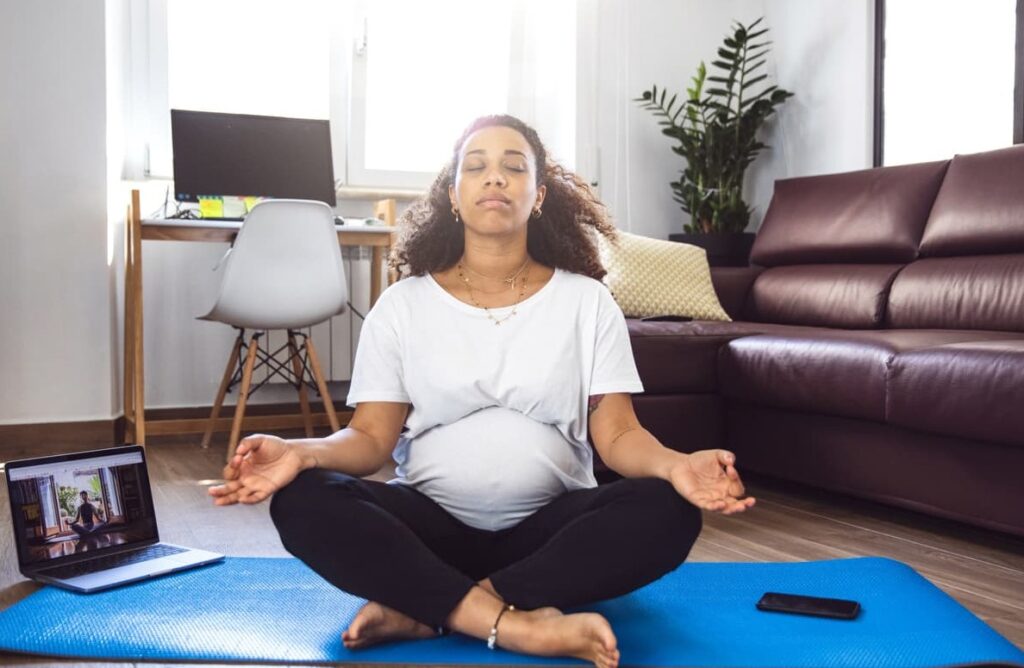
point(250, 202)
point(211, 207)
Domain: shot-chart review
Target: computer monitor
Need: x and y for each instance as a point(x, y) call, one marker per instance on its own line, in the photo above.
point(251, 156)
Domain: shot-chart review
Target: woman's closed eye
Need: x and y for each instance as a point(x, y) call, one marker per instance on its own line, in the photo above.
point(514, 167)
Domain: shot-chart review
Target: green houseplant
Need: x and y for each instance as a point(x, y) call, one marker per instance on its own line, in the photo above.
point(715, 130)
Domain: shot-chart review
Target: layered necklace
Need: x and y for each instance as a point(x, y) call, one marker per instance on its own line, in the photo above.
point(510, 280)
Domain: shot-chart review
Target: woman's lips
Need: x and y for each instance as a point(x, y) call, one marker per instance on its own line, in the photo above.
point(493, 203)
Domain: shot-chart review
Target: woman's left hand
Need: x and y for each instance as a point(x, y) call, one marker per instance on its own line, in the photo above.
point(708, 480)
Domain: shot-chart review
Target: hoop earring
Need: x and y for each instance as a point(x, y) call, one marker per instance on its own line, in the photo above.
point(536, 212)
point(455, 212)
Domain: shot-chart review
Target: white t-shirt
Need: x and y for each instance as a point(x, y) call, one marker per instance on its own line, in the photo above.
point(498, 424)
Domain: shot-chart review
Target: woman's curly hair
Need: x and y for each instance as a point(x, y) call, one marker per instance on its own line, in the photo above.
point(431, 238)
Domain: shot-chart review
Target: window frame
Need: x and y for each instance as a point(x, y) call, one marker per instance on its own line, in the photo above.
point(878, 157)
point(149, 133)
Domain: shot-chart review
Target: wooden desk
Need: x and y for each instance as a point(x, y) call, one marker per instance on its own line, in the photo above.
point(378, 238)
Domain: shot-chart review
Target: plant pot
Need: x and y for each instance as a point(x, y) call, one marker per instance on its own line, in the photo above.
point(724, 249)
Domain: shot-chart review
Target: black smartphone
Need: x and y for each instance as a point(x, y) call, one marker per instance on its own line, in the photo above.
point(667, 318)
point(834, 608)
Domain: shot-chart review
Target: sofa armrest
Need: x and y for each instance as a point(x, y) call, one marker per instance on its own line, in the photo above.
point(732, 284)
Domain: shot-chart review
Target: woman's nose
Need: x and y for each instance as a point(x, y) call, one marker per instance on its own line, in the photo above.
point(494, 177)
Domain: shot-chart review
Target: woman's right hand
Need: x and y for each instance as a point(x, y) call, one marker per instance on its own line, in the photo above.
point(260, 466)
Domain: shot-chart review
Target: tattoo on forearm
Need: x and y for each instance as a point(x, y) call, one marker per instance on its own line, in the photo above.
point(593, 403)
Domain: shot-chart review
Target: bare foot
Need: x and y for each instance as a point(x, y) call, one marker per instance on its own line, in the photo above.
point(376, 623)
point(548, 632)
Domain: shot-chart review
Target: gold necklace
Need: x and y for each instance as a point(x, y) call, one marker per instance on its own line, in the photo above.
point(508, 279)
point(522, 291)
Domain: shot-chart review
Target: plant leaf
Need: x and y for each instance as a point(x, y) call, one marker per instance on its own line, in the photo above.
point(753, 67)
point(748, 84)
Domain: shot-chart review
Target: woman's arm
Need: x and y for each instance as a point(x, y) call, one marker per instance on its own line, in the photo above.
point(363, 446)
point(264, 464)
point(623, 444)
point(706, 478)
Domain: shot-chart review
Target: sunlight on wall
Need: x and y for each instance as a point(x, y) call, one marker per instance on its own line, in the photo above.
point(253, 57)
point(427, 79)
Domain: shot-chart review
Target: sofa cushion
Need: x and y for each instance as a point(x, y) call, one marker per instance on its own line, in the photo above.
point(941, 475)
point(845, 296)
point(830, 371)
point(679, 357)
point(980, 207)
point(973, 292)
point(867, 216)
point(732, 285)
point(973, 389)
point(654, 277)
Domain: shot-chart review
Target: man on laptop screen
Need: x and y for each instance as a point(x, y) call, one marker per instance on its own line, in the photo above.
point(85, 521)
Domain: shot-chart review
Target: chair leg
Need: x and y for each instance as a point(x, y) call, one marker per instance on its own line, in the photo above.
point(229, 371)
point(243, 395)
point(321, 385)
point(307, 416)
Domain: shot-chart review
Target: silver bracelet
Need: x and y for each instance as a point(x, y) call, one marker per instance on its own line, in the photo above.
point(492, 639)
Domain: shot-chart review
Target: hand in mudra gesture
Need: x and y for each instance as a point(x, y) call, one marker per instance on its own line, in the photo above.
point(708, 480)
point(260, 466)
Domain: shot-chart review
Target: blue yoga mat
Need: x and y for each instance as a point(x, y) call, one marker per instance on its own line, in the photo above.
point(702, 614)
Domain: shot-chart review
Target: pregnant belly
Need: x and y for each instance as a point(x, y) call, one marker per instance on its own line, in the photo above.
point(492, 468)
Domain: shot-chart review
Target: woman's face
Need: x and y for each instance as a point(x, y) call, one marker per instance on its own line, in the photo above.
point(495, 186)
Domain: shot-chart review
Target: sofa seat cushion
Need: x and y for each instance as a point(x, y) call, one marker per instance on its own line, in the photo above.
point(680, 357)
point(830, 371)
point(973, 389)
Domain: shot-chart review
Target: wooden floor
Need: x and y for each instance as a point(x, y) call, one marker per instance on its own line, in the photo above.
point(982, 570)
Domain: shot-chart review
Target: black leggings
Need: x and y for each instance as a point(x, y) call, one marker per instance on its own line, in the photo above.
point(394, 545)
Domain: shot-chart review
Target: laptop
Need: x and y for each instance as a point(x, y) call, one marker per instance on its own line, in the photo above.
point(85, 521)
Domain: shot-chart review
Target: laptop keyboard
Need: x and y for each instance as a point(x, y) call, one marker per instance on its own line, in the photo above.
point(113, 561)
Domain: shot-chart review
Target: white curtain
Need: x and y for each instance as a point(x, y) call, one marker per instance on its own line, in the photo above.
point(542, 73)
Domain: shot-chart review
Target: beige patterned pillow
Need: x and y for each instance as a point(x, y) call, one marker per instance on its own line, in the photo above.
point(654, 277)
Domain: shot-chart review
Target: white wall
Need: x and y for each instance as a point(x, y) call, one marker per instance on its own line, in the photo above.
point(55, 332)
point(822, 51)
point(62, 132)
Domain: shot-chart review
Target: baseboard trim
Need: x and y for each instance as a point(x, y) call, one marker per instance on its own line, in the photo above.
point(43, 438)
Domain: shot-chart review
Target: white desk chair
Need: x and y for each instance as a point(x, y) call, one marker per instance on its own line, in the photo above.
point(283, 272)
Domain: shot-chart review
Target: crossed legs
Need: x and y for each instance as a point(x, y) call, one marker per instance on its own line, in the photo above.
point(423, 570)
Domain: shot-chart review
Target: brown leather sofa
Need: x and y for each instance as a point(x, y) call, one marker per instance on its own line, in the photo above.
point(878, 342)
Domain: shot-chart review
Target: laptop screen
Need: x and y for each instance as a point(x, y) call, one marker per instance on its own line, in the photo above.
point(80, 505)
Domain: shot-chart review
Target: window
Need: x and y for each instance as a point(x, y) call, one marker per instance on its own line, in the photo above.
point(945, 80)
point(399, 79)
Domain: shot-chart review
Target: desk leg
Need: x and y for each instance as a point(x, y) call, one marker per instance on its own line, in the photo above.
point(392, 274)
point(128, 361)
point(138, 381)
point(376, 264)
